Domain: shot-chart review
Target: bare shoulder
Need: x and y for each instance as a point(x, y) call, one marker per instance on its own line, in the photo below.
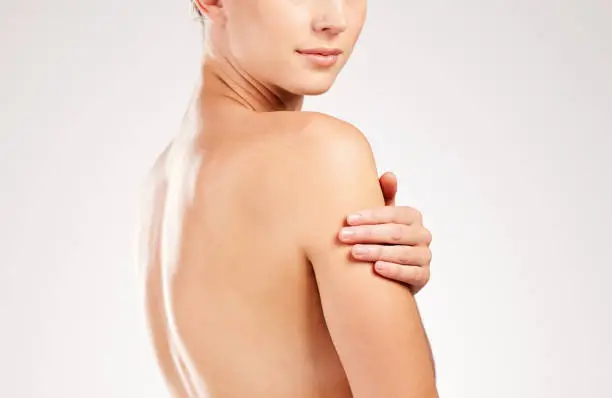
point(305, 145)
point(313, 126)
point(338, 177)
point(321, 141)
point(334, 149)
point(335, 174)
point(329, 131)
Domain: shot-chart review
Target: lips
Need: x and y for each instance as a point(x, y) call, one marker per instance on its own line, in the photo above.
point(321, 51)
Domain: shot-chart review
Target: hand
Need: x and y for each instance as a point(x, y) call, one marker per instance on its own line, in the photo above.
point(394, 238)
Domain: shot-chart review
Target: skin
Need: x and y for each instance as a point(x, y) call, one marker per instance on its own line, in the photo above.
point(405, 256)
point(401, 252)
point(297, 311)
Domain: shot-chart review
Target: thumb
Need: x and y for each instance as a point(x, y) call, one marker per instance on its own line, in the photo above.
point(388, 185)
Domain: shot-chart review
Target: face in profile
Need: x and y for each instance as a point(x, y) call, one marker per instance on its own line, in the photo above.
point(298, 46)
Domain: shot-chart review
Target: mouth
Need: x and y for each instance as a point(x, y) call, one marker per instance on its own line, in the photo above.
point(324, 57)
point(321, 51)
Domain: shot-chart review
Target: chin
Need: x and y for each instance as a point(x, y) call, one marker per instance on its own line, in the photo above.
point(313, 86)
point(316, 90)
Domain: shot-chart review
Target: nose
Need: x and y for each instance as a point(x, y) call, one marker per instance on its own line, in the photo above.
point(331, 18)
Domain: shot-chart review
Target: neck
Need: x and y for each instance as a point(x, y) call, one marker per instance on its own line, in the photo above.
point(222, 79)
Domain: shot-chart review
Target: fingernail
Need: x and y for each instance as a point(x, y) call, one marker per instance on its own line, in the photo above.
point(353, 218)
point(360, 250)
point(381, 267)
point(347, 233)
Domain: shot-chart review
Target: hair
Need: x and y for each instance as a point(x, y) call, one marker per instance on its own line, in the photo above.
point(197, 14)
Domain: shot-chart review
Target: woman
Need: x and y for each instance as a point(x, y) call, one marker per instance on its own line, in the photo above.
point(294, 312)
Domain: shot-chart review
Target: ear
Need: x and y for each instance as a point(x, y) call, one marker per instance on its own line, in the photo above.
point(210, 9)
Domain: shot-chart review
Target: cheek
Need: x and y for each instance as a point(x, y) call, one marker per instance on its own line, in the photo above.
point(264, 48)
point(239, 39)
point(357, 20)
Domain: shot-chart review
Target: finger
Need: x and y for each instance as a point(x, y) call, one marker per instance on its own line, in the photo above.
point(395, 234)
point(388, 185)
point(403, 255)
point(414, 276)
point(387, 214)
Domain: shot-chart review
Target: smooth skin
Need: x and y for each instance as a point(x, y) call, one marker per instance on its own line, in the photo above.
point(393, 237)
point(293, 312)
point(390, 356)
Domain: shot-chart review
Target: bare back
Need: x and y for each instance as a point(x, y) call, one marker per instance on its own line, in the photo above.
point(232, 301)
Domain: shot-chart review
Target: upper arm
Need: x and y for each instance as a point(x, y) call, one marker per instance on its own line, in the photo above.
point(374, 323)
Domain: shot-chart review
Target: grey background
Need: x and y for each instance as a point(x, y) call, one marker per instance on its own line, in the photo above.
point(496, 116)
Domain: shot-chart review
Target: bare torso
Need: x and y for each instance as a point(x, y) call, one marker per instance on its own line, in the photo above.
point(232, 302)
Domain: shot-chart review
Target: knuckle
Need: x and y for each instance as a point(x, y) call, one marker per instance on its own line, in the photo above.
point(403, 256)
point(423, 277)
point(394, 213)
point(377, 252)
point(427, 276)
point(419, 278)
point(368, 215)
point(424, 256)
point(365, 232)
point(418, 216)
point(397, 232)
point(427, 236)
